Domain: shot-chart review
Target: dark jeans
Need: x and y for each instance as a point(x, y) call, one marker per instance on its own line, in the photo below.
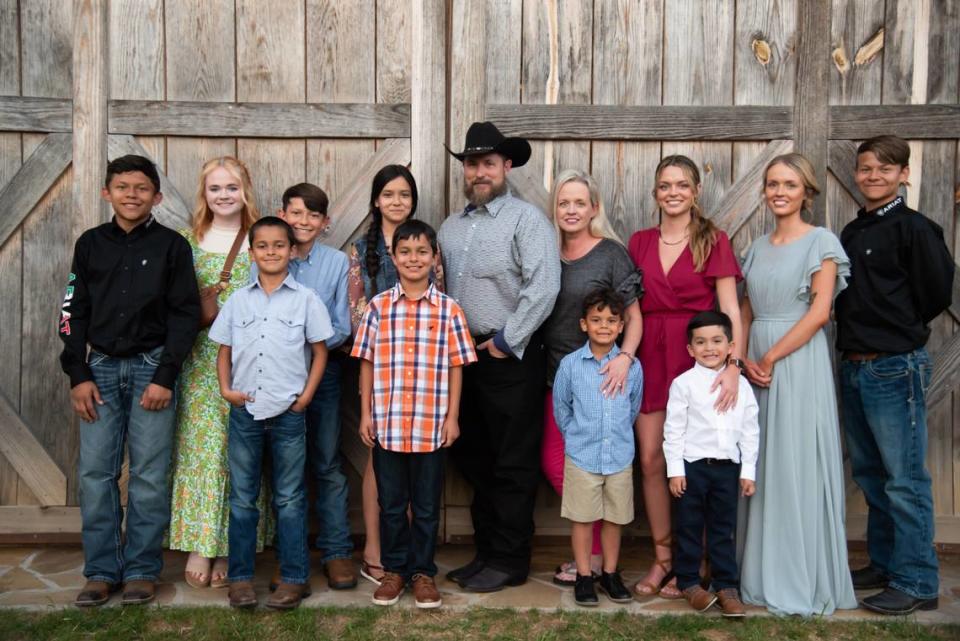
point(323, 439)
point(501, 423)
point(885, 423)
point(711, 501)
point(285, 438)
point(149, 438)
point(414, 479)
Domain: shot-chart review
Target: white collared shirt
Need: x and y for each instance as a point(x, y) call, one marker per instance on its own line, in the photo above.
point(694, 429)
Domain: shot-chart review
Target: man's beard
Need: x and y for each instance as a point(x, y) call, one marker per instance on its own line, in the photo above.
point(478, 200)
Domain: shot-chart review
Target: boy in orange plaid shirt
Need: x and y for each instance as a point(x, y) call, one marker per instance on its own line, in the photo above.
point(414, 341)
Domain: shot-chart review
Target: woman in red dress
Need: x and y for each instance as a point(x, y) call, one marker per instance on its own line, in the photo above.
point(688, 267)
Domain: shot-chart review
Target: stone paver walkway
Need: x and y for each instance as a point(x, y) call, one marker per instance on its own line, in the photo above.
point(49, 577)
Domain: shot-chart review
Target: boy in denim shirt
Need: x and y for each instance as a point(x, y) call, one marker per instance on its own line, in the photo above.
point(598, 443)
point(267, 375)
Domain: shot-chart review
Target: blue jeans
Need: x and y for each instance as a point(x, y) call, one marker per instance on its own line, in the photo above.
point(149, 438)
point(885, 422)
point(284, 436)
point(323, 439)
point(407, 546)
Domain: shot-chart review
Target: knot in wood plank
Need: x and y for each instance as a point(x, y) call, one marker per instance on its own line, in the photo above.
point(762, 51)
point(840, 60)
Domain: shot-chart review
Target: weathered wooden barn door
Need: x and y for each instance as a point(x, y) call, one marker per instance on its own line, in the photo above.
point(329, 90)
point(612, 87)
point(316, 90)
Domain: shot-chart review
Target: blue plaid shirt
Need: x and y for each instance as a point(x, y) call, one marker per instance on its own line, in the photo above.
point(597, 431)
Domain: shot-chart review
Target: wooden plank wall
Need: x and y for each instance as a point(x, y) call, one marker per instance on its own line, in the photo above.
point(41, 250)
point(566, 52)
point(688, 52)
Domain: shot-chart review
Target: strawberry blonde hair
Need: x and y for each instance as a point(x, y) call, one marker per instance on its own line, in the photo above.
point(203, 217)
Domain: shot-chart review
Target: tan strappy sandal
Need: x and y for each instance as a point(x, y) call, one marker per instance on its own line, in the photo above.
point(643, 590)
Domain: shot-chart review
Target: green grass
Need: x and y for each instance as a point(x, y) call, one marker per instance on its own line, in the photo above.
point(361, 624)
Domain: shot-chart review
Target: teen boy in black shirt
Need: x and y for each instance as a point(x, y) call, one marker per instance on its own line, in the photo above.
point(902, 279)
point(132, 296)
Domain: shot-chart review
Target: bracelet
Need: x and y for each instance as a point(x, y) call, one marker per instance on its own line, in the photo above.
point(630, 356)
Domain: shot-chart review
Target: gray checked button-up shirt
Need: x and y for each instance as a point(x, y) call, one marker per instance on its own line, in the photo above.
point(502, 265)
point(268, 336)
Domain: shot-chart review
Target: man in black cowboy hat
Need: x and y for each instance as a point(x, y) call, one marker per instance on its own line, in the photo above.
point(502, 265)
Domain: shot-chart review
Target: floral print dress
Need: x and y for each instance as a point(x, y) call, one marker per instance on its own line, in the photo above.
point(199, 505)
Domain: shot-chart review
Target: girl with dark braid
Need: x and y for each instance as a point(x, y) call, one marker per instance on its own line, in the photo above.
point(393, 199)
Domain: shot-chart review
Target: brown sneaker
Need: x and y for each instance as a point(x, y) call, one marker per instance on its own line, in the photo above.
point(242, 595)
point(730, 602)
point(391, 587)
point(699, 599)
point(95, 593)
point(288, 596)
point(138, 592)
point(425, 593)
point(341, 574)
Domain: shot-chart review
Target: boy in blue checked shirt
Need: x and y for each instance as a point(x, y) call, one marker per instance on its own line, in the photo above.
point(413, 341)
point(263, 330)
point(598, 442)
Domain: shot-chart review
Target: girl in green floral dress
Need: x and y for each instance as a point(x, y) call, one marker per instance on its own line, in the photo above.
point(199, 510)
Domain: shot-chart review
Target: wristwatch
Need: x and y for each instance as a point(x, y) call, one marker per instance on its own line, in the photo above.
point(736, 361)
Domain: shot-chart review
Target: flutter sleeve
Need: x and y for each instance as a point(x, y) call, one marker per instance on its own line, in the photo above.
point(722, 262)
point(825, 246)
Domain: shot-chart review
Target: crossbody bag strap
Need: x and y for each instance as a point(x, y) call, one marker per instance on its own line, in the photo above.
point(231, 258)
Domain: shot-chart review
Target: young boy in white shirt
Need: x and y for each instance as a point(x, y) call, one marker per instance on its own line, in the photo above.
point(710, 456)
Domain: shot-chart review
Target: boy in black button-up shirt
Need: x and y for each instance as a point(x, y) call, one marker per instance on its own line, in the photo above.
point(902, 276)
point(132, 296)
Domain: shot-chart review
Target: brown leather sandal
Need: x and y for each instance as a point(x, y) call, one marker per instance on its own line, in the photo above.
point(648, 589)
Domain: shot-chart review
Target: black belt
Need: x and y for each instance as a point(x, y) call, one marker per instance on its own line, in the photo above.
point(718, 461)
point(482, 338)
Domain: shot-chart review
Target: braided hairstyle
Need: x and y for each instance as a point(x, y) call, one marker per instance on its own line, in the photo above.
point(380, 180)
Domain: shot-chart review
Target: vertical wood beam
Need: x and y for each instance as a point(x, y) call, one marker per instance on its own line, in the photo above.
point(811, 105)
point(428, 119)
point(90, 92)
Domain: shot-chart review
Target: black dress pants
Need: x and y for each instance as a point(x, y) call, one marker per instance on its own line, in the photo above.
point(713, 488)
point(501, 423)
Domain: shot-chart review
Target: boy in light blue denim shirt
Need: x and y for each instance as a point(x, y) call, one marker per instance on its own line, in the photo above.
point(269, 378)
point(598, 442)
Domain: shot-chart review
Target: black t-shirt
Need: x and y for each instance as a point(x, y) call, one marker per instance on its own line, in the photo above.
point(608, 266)
point(902, 278)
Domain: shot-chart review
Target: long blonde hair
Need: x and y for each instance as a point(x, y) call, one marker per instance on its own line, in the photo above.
point(599, 225)
point(703, 233)
point(804, 168)
point(203, 217)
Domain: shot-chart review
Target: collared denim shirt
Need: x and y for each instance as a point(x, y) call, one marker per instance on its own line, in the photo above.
point(387, 274)
point(268, 336)
point(597, 431)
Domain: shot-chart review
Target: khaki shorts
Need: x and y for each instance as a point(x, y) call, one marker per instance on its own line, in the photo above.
point(589, 497)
